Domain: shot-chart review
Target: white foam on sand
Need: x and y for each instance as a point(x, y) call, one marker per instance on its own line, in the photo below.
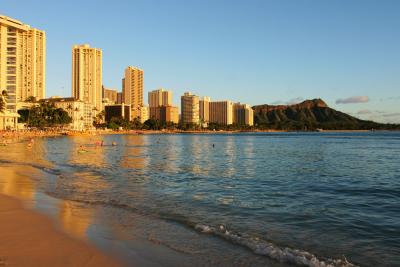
point(268, 249)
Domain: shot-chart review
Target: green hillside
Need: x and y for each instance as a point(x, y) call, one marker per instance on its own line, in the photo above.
point(311, 115)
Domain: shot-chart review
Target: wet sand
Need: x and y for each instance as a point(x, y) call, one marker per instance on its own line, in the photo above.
point(31, 239)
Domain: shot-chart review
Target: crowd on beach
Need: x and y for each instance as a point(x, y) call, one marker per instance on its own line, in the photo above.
point(9, 137)
point(29, 133)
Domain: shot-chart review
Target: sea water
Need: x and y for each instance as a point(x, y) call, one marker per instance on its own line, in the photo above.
point(248, 199)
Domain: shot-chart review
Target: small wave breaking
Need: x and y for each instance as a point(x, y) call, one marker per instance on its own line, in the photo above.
point(268, 249)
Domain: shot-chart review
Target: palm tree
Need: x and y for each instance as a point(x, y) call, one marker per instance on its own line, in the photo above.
point(3, 101)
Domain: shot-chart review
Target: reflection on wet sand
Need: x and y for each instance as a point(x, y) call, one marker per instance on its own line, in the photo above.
point(75, 219)
point(20, 178)
point(16, 185)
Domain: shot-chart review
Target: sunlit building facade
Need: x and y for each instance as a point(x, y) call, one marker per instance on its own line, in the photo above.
point(243, 114)
point(204, 109)
point(132, 89)
point(120, 99)
point(161, 107)
point(160, 97)
point(81, 112)
point(143, 114)
point(87, 79)
point(190, 109)
point(221, 112)
point(22, 61)
point(111, 95)
point(165, 114)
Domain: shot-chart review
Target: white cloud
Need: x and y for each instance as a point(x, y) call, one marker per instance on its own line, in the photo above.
point(290, 102)
point(354, 99)
point(391, 114)
point(364, 112)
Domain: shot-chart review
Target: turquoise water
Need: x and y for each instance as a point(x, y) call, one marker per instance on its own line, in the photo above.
point(273, 199)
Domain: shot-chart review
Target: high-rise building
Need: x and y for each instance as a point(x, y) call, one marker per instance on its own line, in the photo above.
point(87, 75)
point(243, 114)
point(120, 111)
point(160, 97)
point(132, 89)
point(120, 99)
point(22, 61)
point(161, 107)
point(165, 114)
point(190, 108)
point(221, 112)
point(204, 109)
point(110, 94)
point(143, 114)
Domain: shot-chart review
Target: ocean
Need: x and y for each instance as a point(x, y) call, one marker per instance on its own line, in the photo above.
point(246, 199)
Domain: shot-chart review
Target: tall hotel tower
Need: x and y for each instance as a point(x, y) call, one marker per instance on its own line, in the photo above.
point(87, 75)
point(22, 61)
point(190, 108)
point(132, 89)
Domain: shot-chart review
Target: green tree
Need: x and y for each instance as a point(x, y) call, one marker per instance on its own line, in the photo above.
point(136, 124)
point(45, 115)
point(152, 124)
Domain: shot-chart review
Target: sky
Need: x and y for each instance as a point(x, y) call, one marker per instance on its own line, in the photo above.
point(346, 52)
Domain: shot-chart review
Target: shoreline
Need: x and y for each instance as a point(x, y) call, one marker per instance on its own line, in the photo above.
point(38, 229)
point(32, 239)
point(53, 133)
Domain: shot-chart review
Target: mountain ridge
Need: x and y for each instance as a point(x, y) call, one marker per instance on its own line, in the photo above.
point(311, 115)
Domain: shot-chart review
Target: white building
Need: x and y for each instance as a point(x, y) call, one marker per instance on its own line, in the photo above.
point(8, 120)
point(82, 113)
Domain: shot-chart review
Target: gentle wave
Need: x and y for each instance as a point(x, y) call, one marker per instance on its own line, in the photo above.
point(256, 245)
point(265, 248)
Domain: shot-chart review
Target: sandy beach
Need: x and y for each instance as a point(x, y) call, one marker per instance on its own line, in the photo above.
point(31, 239)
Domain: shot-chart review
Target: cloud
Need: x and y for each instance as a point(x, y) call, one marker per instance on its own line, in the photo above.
point(290, 102)
point(390, 98)
point(364, 112)
point(391, 114)
point(354, 99)
point(294, 101)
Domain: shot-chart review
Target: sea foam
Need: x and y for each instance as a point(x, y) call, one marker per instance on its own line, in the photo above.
point(268, 249)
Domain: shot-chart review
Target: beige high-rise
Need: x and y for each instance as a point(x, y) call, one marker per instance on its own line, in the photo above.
point(132, 89)
point(221, 112)
point(22, 61)
point(161, 107)
point(110, 94)
point(160, 97)
point(243, 114)
point(204, 109)
point(87, 80)
point(190, 109)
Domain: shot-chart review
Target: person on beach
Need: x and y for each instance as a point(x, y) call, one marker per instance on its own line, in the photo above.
point(81, 149)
